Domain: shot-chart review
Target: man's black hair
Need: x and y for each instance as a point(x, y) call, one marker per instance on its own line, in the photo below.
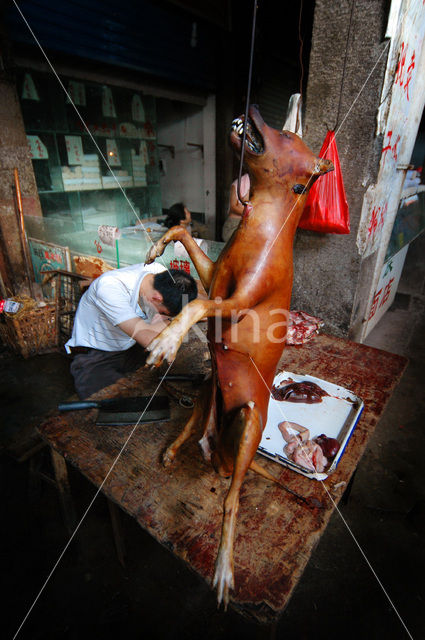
point(174, 214)
point(176, 287)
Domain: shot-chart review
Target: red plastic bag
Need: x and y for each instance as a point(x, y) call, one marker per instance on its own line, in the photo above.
point(326, 208)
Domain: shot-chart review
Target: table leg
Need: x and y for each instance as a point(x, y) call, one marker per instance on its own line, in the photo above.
point(62, 483)
point(114, 512)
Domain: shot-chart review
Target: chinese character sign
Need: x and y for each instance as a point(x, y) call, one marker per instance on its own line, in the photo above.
point(137, 110)
point(74, 149)
point(387, 287)
point(38, 150)
point(108, 107)
point(396, 124)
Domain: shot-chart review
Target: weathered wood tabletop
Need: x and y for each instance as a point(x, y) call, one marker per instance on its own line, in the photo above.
point(181, 506)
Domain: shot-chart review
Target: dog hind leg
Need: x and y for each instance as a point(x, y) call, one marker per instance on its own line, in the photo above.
point(199, 415)
point(240, 442)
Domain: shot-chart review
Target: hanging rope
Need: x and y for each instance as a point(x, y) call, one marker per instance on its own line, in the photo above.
point(301, 41)
point(248, 93)
point(345, 63)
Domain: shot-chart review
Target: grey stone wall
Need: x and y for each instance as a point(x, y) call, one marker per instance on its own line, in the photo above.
point(343, 93)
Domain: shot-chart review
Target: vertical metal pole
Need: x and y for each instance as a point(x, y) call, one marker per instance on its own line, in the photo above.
point(22, 233)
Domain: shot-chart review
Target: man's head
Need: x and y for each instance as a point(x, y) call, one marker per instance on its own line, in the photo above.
point(176, 288)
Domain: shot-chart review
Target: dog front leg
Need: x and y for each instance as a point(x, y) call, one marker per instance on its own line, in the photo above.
point(167, 343)
point(203, 264)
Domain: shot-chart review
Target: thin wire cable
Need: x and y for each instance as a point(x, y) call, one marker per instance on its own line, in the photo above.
point(248, 94)
point(300, 54)
point(90, 505)
point(342, 518)
point(345, 61)
point(134, 428)
point(87, 129)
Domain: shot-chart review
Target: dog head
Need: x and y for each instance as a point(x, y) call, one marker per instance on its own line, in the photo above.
point(276, 157)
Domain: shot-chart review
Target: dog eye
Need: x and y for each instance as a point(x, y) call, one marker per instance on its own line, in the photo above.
point(299, 189)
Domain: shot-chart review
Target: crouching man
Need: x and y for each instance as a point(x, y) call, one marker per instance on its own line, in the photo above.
point(120, 313)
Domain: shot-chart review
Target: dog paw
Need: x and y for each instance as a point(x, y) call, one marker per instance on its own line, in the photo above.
point(223, 578)
point(168, 457)
point(152, 254)
point(163, 347)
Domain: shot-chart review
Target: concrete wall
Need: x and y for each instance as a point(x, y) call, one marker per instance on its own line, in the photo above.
point(14, 153)
point(343, 93)
point(182, 181)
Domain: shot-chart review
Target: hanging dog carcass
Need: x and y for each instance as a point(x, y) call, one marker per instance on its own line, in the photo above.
point(250, 290)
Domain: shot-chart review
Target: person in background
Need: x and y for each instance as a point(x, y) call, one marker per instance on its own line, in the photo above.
point(118, 316)
point(236, 207)
point(178, 214)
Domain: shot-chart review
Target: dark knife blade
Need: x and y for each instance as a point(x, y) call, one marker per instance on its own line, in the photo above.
point(134, 404)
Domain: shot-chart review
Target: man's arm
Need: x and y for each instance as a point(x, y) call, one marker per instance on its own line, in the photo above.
point(143, 332)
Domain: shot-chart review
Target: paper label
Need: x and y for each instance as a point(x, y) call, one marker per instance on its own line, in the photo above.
point(112, 153)
point(74, 148)
point(108, 107)
point(108, 234)
point(137, 110)
point(143, 151)
point(38, 150)
point(77, 93)
point(29, 91)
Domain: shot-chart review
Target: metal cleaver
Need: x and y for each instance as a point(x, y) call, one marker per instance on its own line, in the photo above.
point(118, 411)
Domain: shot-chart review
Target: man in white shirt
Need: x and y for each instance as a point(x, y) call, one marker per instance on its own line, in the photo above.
point(119, 315)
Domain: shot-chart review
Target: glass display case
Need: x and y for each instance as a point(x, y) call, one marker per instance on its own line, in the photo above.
point(94, 150)
point(95, 158)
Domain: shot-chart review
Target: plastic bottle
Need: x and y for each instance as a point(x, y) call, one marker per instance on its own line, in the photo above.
point(8, 305)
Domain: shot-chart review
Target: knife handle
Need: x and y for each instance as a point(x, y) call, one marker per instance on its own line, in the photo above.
point(80, 404)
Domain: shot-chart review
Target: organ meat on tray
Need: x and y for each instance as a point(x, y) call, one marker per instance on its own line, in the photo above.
point(329, 446)
point(307, 392)
point(302, 327)
point(300, 449)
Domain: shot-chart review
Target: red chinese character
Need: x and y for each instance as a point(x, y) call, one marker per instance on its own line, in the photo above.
point(374, 304)
point(382, 216)
point(174, 264)
point(46, 254)
point(185, 266)
point(386, 293)
point(373, 222)
point(400, 66)
point(409, 74)
point(388, 147)
point(394, 150)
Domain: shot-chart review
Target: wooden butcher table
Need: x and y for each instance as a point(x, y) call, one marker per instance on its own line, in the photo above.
point(181, 506)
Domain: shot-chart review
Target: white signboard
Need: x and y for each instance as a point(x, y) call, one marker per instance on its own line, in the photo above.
point(384, 294)
point(382, 198)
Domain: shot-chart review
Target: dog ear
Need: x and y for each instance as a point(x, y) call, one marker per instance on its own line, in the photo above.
point(323, 165)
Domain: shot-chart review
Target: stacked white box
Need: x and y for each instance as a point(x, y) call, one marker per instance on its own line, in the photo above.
point(139, 169)
point(117, 179)
point(82, 177)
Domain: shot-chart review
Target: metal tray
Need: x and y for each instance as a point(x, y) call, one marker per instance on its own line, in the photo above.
point(336, 416)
